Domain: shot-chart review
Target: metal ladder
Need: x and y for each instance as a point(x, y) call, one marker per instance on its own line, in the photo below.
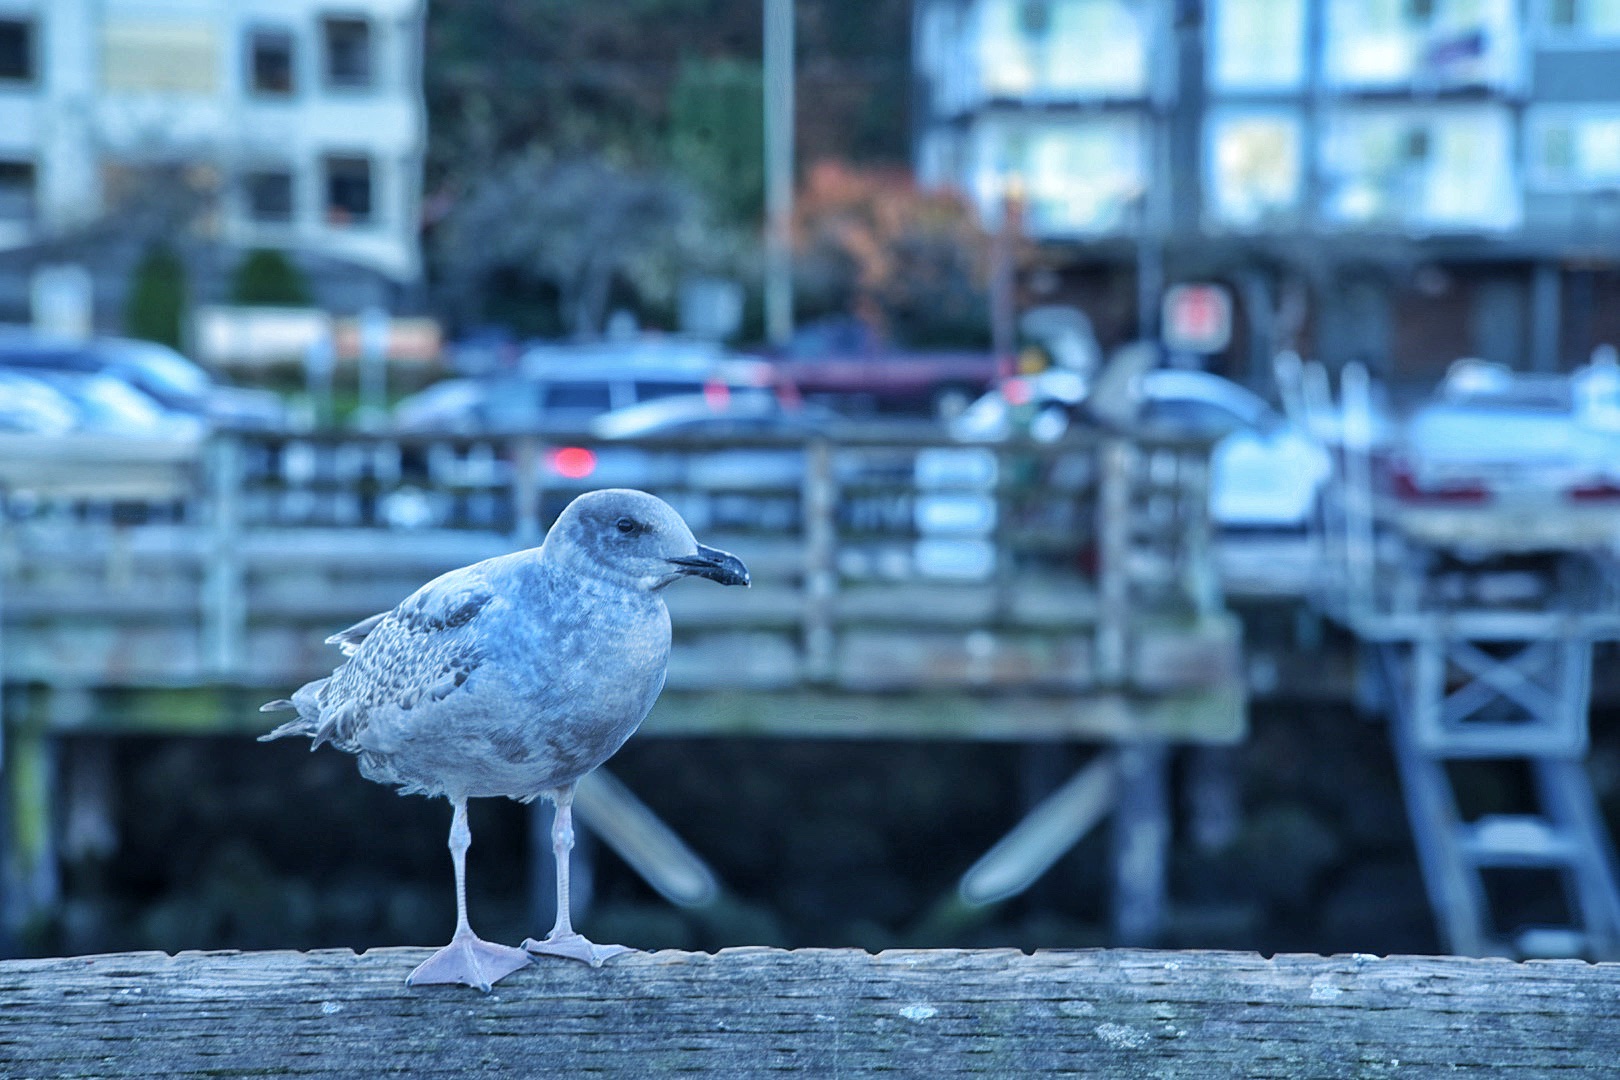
point(1468, 677)
point(1528, 707)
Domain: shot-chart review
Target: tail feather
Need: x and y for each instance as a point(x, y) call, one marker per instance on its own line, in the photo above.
point(307, 700)
point(291, 727)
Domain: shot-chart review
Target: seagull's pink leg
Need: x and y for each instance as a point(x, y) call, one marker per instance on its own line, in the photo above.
point(564, 940)
point(468, 959)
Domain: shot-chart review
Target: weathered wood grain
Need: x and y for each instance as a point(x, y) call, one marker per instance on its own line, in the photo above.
point(822, 1013)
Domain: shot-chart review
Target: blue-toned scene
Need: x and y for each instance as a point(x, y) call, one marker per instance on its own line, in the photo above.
point(954, 496)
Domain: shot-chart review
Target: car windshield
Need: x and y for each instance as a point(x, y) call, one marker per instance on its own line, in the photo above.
point(578, 396)
point(107, 403)
point(656, 389)
point(164, 369)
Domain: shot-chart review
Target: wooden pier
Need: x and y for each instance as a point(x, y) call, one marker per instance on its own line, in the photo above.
point(825, 1013)
point(878, 567)
point(902, 588)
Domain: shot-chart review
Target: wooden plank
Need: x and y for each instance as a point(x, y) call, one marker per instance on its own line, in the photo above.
point(823, 1013)
point(1216, 716)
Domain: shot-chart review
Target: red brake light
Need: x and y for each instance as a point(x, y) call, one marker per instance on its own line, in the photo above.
point(1406, 487)
point(573, 462)
point(717, 394)
point(1598, 492)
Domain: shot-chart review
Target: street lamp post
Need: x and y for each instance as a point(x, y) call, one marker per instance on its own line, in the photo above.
point(778, 170)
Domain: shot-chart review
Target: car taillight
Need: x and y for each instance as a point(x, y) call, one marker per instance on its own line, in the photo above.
point(1598, 492)
point(717, 394)
point(787, 395)
point(1405, 487)
point(572, 462)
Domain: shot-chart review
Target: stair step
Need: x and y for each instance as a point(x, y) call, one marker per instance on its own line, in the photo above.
point(1517, 840)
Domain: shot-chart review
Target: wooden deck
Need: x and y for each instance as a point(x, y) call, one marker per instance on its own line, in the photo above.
point(820, 1013)
point(1060, 581)
point(901, 590)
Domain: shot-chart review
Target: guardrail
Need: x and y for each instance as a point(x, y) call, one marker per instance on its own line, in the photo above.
point(880, 564)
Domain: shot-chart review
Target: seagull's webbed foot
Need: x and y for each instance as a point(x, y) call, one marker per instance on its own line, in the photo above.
point(575, 946)
point(470, 961)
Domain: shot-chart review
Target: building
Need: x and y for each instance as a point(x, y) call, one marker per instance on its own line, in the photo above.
point(298, 123)
point(1432, 178)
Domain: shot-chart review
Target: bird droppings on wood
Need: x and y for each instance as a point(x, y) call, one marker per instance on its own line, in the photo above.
point(820, 1012)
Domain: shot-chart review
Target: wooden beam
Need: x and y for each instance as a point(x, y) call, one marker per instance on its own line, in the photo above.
point(824, 1013)
point(1204, 717)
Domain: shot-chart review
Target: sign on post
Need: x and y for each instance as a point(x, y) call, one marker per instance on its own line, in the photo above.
point(1197, 318)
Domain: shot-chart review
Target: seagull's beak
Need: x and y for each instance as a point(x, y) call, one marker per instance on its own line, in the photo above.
point(714, 564)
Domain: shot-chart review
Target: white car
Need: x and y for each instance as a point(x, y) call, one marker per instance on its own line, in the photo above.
point(1265, 473)
point(1493, 435)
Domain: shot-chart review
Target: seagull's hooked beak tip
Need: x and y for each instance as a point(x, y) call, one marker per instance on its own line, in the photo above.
point(714, 564)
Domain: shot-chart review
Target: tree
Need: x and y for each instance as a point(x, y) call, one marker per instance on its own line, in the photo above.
point(156, 306)
point(266, 277)
point(717, 134)
point(912, 264)
point(578, 227)
point(604, 78)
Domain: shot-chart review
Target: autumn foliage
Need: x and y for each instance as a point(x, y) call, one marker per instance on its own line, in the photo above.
point(912, 264)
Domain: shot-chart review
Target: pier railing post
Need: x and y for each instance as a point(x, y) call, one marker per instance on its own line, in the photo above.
point(527, 530)
point(1117, 458)
point(819, 501)
point(224, 607)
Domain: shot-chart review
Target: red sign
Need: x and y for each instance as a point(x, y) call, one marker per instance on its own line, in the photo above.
point(1197, 318)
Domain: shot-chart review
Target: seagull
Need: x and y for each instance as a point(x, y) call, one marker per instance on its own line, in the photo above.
point(514, 677)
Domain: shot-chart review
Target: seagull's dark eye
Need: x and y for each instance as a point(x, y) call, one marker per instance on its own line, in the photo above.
point(626, 525)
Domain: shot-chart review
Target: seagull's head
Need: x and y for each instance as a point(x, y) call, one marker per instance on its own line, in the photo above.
point(640, 539)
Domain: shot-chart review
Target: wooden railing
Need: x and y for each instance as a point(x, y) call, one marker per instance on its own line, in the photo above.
point(832, 1013)
point(879, 564)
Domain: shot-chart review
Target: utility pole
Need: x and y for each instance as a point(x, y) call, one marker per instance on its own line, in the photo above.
point(778, 170)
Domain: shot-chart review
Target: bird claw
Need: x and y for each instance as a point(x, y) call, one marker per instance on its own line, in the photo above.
point(469, 961)
point(576, 947)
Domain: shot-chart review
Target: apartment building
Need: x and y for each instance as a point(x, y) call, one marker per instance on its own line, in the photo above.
point(301, 120)
point(1440, 177)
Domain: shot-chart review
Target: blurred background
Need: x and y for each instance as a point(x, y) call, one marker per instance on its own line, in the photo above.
point(1175, 443)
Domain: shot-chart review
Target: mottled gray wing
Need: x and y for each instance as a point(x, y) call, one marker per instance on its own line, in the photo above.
point(350, 640)
point(422, 651)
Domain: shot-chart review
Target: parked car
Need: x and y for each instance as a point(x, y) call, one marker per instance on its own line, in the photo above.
point(164, 376)
point(755, 484)
point(1265, 473)
point(107, 405)
point(1490, 435)
point(30, 407)
point(563, 389)
point(841, 363)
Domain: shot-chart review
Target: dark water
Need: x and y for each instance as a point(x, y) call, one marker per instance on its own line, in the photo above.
point(226, 843)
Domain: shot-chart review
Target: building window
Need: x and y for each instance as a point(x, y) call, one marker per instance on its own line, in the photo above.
point(1574, 151)
point(270, 62)
point(16, 191)
point(1587, 18)
point(348, 190)
point(1254, 169)
point(269, 196)
point(1076, 178)
point(1421, 168)
point(16, 50)
point(1065, 48)
point(348, 53)
point(1257, 44)
point(161, 56)
point(1373, 44)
